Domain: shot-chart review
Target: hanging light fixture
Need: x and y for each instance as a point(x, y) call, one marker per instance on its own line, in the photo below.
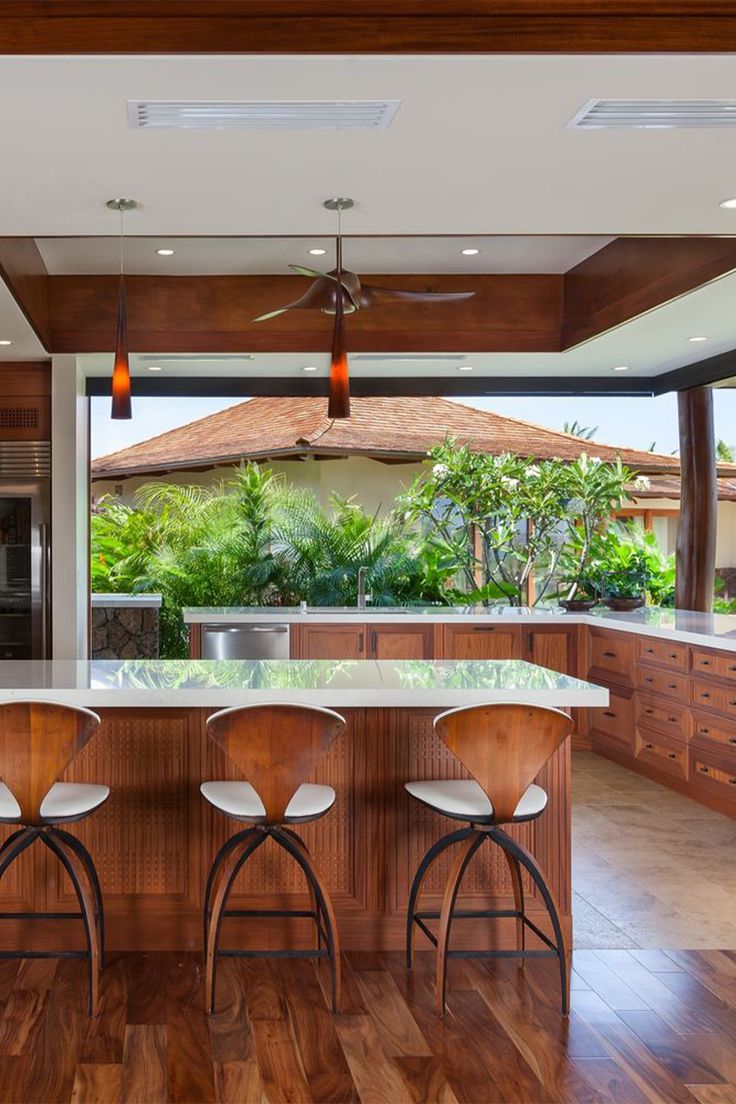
point(121, 407)
point(338, 405)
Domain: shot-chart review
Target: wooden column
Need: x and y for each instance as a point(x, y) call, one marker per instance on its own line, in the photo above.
point(696, 535)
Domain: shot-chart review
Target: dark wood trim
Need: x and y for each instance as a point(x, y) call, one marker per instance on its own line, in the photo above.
point(365, 26)
point(630, 276)
point(465, 385)
point(700, 374)
point(23, 270)
point(696, 534)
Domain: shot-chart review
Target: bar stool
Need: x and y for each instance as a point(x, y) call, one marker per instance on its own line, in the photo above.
point(38, 740)
point(276, 747)
point(504, 747)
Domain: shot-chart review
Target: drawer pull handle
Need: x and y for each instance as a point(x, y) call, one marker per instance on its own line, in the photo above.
point(732, 739)
point(610, 655)
point(703, 770)
point(671, 755)
point(732, 781)
point(671, 685)
point(704, 731)
point(732, 668)
point(732, 703)
point(673, 655)
point(672, 720)
point(649, 679)
point(704, 694)
point(705, 663)
point(608, 713)
point(648, 710)
point(649, 746)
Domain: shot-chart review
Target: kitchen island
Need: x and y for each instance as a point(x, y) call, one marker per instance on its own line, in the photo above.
point(155, 838)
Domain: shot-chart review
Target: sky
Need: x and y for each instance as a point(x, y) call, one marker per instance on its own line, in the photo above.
point(629, 422)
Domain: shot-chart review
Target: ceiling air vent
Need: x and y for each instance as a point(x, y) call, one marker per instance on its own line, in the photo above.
point(654, 114)
point(263, 114)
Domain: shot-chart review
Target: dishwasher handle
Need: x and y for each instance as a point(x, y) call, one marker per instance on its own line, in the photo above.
point(246, 629)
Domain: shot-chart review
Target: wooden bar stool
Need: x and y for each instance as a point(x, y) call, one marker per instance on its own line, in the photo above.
point(504, 747)
point(276, 747)
point(38, 740)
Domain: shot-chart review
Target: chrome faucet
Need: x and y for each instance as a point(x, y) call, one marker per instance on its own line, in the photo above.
point(363, 598)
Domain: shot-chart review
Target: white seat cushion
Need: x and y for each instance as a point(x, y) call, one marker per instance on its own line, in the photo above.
point(64, 799)
point(464, 799)
point(239, 799)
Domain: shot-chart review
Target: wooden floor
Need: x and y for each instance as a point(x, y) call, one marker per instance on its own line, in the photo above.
point(646, 1026)
point(650, 867)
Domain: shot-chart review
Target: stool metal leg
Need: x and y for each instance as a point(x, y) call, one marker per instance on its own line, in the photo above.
point(77, 873)
point(312, 895)
point(14, 846)
point(249, 842)
point(416, 886)
point(518, 889)
point(459, 866)
point(325, 905)
point(222, 854)
point(527, 860)
point(78, 847)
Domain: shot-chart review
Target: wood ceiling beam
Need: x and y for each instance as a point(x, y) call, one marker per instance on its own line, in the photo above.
point(365, 26)
point(630, 276)
point(24, 272)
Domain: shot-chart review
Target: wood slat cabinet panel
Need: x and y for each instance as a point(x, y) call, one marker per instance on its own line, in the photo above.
point(665, 716)
point(713, 775)
point(400, 641)
point(665, 653)
point(552, 646)
point(611, 657)
point(662, 752)
point(331, 641)
point(715, 664)
point(667, 684)
point(615, 722)
point(481, 642)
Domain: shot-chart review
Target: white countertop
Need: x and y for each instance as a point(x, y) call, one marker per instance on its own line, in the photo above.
point(339, 683)
point(126, 601)
point(710, 630)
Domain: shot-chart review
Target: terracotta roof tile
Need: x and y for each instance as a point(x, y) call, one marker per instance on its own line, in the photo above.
point(401, 428)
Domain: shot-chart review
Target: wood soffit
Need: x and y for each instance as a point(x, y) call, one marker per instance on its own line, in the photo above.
point(365, 26)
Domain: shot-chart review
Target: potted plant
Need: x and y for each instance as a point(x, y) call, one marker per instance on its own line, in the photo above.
point(620, 568)
point(577, 594)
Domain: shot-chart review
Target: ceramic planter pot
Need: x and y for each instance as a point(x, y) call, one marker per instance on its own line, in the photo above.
point(625, 603)
point(577, 605)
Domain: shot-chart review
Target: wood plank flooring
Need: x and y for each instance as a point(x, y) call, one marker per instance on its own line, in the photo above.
point(647, 1025)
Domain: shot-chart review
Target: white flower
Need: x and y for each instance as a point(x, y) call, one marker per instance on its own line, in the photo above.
point(642, 483)
point(595, 460)
point(532, 470)
point(439, 470)
point(507, 481)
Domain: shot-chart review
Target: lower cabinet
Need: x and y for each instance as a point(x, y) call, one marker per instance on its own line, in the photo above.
point(481, 642)
point(362, 641)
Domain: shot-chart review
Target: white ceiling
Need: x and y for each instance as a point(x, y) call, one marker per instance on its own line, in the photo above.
point(479, 145)
point(205, 256)
point(650, 345)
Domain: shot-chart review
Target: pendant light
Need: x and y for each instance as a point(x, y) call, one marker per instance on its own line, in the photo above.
point(338, 405)
point(121, 406)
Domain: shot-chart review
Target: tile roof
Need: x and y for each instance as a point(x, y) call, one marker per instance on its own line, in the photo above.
point(384, 428)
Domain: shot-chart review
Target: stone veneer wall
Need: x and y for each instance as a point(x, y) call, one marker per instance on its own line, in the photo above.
point(125, 632)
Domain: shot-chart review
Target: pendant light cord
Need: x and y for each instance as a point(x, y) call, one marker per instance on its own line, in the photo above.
point(122, 215)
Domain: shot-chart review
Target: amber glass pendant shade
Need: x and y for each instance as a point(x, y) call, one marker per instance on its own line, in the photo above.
point(121, 407)
point(339, 401)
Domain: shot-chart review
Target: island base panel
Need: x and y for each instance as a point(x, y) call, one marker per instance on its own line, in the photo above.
point(154, 840)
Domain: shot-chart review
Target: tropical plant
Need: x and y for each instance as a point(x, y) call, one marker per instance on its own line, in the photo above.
point(576, 429)
point(726, 454)
point(627, 562)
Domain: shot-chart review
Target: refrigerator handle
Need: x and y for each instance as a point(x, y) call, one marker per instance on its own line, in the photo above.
point(43, 532)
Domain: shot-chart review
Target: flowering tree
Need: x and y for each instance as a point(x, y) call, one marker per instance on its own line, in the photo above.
point(505, 518)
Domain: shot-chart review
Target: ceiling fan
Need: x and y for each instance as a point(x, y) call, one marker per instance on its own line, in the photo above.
point(340, 292)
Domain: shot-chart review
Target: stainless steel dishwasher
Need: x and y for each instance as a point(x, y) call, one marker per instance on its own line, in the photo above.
point(257, 641)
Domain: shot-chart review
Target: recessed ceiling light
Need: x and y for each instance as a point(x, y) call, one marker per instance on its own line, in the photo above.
point(6, 342)
point(309, 368)
point(469, 252)
point(465, 367)
point(621, 368)
point(697, 339)
point(165, 252)
point(729, 204)
point(155, 368)
point(318, 252)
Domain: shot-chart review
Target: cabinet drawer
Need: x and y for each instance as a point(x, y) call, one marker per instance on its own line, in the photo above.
point(662, 652)
point(710, 696)
point(666, 716)
point(706, 728)
point(713, 772)
point(719, 664)
point(663, 752)
point(613, 655)
point(615, 721)
point(666, 683)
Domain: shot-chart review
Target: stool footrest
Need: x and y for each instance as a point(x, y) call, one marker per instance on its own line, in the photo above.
point(322, 952)
point(41, 916)
point(44, 954)
point(480, 914)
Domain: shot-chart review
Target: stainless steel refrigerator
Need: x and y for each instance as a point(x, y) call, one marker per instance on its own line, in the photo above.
point(25, 550)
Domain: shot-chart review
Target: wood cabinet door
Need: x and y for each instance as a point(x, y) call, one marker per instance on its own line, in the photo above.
point(400, 641)
point(332, 642)
point(482, 642)
point(552, 646)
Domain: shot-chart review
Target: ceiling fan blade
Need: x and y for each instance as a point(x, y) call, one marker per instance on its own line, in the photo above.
point(370, 293)
point(301, 270)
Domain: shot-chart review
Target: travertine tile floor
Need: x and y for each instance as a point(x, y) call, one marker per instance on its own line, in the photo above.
point(651, 868)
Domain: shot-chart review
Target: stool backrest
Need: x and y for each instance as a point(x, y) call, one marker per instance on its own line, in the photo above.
point(38, 741)
point(276, 747)
point(504, 746)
